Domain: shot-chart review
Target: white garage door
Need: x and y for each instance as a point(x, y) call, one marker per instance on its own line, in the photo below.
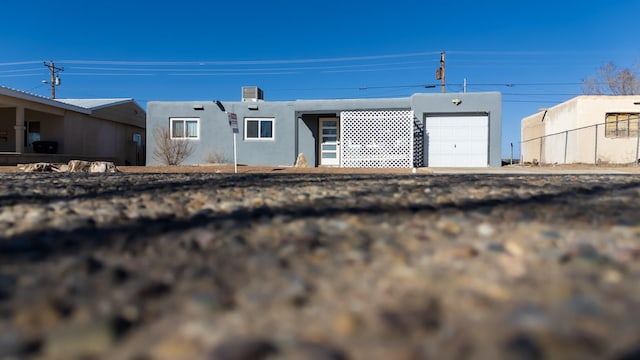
point(457, 141)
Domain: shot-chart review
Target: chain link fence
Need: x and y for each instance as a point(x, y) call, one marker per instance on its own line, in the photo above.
point(611, 142)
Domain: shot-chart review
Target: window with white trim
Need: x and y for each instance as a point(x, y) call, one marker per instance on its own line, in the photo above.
point(185, 128)
point(259, 129)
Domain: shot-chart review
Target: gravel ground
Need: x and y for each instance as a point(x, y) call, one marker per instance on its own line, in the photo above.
point(319, 266)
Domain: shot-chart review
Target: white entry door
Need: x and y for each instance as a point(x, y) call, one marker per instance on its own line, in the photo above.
point(461, 141)
point(329, 141)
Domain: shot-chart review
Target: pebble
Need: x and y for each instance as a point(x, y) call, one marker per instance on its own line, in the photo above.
point(486, 230)
point(244, 349)
point(317, 266)
point(511, 266)
point(459, 252)
point(176, 347)
point(317, 351)
point(14, 346)
point(514, 248)
point(83, 340)
point(346, 324)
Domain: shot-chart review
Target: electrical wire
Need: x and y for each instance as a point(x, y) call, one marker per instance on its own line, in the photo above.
point(318, 66)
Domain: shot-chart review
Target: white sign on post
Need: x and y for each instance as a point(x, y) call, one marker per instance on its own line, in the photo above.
point(233, 122)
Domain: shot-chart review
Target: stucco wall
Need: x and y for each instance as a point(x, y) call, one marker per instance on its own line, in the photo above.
point(216, 136)
point(308, 135)
point(311, 110)
point(558, 122)
point(296, 125)
point(471, 103)
point(571, 136)
point(593, 110)
point(532, 128)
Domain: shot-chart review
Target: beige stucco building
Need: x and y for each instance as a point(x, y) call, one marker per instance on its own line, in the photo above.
point(589, 129)
point(38, 129)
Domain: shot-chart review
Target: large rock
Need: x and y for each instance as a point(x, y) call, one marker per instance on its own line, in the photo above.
point(72, 166)
point(35, 167)
point(102, 167)
point(78, 166)
point(301, 161)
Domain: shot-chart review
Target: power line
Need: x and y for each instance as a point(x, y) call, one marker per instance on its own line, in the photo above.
point(18, 70)
point(202, 68)
point(20, 63)
point(248, 62)
point(381, 65)
point(20, 75)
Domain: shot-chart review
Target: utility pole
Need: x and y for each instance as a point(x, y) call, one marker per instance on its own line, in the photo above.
point(440, 73)
point(55, 80)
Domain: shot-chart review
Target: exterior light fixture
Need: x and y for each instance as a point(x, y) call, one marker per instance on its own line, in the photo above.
point(456, 101)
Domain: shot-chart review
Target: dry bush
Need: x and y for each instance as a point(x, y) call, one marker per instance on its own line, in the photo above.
point(216, 157)
point(170, 151)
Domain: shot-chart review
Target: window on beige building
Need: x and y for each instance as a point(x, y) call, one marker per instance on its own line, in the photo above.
point(621, 125)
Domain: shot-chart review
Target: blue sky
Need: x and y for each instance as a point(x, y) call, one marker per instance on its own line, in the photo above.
point(536, 53)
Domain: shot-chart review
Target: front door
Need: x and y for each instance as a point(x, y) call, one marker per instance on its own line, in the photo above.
point(329, 141)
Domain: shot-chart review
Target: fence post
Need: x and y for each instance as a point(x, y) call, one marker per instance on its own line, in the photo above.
point(540, 157)
point(637, 141)
point(521, 155)
point(511, 160)
point(566, 141)
point(595, 156)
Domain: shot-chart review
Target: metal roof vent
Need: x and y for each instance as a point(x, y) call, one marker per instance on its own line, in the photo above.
point(252, 93)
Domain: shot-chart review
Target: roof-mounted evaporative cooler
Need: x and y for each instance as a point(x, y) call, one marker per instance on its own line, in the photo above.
point(252, 93)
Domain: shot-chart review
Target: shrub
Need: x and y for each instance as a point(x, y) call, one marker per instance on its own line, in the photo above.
point(216, 157)
point(170, 151)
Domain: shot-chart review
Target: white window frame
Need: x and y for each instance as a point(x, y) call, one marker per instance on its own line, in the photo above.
point(184, 120)
point(260, 120)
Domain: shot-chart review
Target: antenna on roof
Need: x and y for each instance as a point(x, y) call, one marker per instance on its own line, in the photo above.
point(55, 79)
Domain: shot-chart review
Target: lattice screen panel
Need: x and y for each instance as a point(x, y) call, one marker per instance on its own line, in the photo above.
point(376, 139)
point(418, 143)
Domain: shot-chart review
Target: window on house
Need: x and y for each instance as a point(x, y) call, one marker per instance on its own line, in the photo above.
point(258, 129)
point(621, 125)
point(185, 128)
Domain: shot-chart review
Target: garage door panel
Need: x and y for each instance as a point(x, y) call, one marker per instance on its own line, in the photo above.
point(461, 141)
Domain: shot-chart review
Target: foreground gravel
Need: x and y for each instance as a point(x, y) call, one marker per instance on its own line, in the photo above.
point(319, 266)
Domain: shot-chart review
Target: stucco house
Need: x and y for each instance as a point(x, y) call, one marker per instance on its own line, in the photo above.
point(589, 129)
point(455, 129)
point(38, 129)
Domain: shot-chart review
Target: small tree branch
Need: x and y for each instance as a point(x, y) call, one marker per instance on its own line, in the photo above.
point(170, 151)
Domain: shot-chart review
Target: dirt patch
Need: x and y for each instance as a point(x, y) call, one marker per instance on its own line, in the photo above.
point(243, 169)
point(226, 169)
